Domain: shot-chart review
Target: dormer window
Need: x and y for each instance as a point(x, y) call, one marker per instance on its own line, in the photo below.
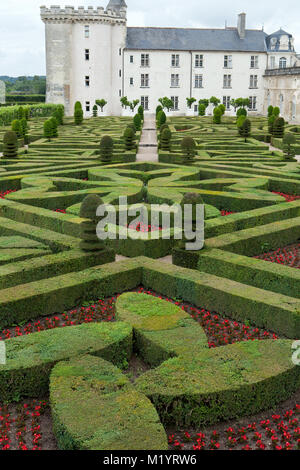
point(282, 62)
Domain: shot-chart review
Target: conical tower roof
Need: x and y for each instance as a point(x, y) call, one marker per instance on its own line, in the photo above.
point(116, 5)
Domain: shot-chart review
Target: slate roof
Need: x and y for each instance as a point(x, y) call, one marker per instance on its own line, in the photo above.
point(180, 39)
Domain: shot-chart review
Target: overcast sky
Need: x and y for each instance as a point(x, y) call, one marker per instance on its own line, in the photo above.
point(22, 32)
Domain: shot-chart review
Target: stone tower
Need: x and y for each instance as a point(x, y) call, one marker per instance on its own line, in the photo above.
point(84, 52)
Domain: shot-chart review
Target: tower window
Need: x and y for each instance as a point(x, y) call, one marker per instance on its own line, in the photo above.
point(145, 80)
point(131, 59)
point(228, 61)
point(131, 81)
point(87, 106)
point(175, 100)
point(198, 60)
point(253, 81)
point(174, 80)
point(254, 62)
point(252, 105)
point(226, 102)
point(198, 81)
point(145, 61)
point(227, 81)
point(282, 63)
point(145, 102)
point(87, 81)
point(175, 60)
point(87, 54)
point(86, 31)
point(120, 73)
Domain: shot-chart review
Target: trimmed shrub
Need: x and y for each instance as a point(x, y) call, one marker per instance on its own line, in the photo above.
point(222, 108)
point(48, 129)
point(54, 126)
point(141, 112)
point(271, 121)
point(129, 138)
point(165, 139)
point(192, 199)
point(137, 120)
point(88, 209)
point(201, 109)
point(278, 127)
point(245, 129)
point(78, 113)
point(10, 145)
point(95, 110)
point(59, 115)
point(188, 147)
point(270, 110)
point(241, 112)
point(161, 118)
point(17, 128)
point(158, 109)
point(288, 141)
point(276, 111)
point(21, 113)
point(217, 115)
point(106, 149)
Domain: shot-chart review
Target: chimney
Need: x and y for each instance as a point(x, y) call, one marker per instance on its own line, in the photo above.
point(242, 25)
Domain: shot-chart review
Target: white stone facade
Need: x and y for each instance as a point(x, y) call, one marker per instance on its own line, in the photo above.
point(92, 54)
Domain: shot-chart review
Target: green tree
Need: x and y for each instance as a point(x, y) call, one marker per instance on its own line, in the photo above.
point(270, 110)
point(245, 128)
point(137, 121)
point(17, 128)
point(166, 103)
point(48, 129)
point(165, 139)
point(189, 149)
point(10, 145)
point(101, 103)
point(141, 112)
point(190, 102)
point(88, 229)
point(95, 110)
point(215, 101)
point(54, 125)
point(78, 113)
point(161, 119)
point(106, 149)
point(278, 127)
point(129, 138)
point(288, 141)
point(217, 115)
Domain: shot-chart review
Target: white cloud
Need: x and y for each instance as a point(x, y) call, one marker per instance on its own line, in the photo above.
point(22, 32)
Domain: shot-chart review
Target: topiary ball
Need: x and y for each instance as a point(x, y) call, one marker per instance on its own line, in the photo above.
point(89, 206)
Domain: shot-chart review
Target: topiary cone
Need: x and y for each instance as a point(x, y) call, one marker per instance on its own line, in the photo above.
point(10, 145)
point(88, 210)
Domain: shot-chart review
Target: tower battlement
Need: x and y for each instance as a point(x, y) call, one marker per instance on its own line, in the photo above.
point(70, 14)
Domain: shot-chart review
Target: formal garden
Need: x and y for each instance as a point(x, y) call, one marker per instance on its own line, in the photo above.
point(135, 343)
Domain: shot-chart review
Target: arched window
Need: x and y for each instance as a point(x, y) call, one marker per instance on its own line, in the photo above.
point(282, 62)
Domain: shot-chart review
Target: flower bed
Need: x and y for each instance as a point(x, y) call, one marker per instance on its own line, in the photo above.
point(277, 431)
point(288, 197)
point(288, 256)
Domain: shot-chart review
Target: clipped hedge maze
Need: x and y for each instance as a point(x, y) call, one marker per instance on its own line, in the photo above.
point(43, 271)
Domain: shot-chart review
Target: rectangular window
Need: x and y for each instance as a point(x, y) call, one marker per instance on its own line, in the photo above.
point(145, 80)
point(131, 59)
point(120, 51)
point(198, 81)
point(254, 62)
point(196, 108)
point(253, 81)
point(175, 60)
point(226, 102)
point(131, 81)
point(253, 103)
point(174, 80)
point(87, 54)
point(86, 31)
point(227, 81)
point(228, 61)
point(120, 73)
point(272, 62)
point(145, 102)
point(87, 81)
point(175, 100)
point(87, 106)
point(145, 60)
point(198, 60)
